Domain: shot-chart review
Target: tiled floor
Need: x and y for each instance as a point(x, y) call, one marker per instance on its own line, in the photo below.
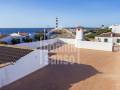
point(76, 69)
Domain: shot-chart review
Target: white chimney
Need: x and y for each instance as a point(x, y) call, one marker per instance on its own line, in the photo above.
point(79, 33)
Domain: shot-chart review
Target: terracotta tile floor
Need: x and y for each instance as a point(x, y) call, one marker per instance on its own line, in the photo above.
point(79, 69)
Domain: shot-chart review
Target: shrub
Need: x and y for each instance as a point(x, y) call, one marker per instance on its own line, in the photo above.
point(2, 42)
point(39, 36)
point(95, 33)
point(27, 39)
point(15, 41)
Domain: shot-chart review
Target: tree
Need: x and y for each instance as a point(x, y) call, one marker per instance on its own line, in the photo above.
point(15, 41)
point(39, 36)
point(27, 39)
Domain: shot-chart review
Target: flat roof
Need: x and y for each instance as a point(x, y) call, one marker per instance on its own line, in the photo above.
point(11, 54)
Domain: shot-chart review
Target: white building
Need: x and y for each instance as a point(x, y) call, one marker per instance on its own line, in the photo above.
point(115, 28)
point(95, 45)
point(19, 35)
point(113, 37)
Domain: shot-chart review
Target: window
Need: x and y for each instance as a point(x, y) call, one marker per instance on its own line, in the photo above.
point(106, 40)
point(118, 40)
point(99, 40)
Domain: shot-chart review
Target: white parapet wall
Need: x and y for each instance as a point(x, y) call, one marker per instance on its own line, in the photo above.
point(38, 44)
point(23, 67)
point(105, 46)
point(94, 45)
point(68, 41)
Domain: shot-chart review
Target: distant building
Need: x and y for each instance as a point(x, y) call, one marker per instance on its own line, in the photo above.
point(19, 35)
point(115, 28)
point(80, 42)
point(113, 36)
point(103, 27)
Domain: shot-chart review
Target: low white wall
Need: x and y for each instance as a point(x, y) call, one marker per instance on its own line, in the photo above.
point(24, 66)
point(94, 45)
point(37, 44)
point(106, 46)
point(110, 39)
point(68, 41)
point(103, 38)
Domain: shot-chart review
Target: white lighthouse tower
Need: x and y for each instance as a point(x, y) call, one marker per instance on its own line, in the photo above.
point(79, 33)
point(57, 23)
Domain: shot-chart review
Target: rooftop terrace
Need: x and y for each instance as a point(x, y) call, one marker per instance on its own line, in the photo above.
point(89, 70)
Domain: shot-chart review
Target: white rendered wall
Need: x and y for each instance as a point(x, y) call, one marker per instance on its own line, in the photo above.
point(110, 39)
point(78, 43)
point(103, 38)
point(68, 41)
point(115, 28)
point(37, 44)
point(24, 66)
point(79, 34)
point(94, 45)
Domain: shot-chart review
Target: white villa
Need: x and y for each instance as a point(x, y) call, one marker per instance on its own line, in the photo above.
point(113, 37)
point(19, 35)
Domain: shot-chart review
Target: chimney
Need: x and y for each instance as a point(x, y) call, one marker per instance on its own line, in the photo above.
point(79, 33)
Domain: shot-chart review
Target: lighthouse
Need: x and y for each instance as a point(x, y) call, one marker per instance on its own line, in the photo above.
point(79, 33)
point(57, 22)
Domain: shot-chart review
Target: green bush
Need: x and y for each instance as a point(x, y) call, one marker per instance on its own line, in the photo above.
point(95, 33)
point(91, 36)
point(39, 36)
point(15, 41)
point(27, 39)
point(100, 31)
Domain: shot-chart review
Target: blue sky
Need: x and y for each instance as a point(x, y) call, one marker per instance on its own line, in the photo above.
point(42, 13)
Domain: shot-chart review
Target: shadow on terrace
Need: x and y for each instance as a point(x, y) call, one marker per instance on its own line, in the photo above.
point(54, 77)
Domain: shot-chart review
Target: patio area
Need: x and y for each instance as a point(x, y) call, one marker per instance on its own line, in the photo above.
point(76, 69)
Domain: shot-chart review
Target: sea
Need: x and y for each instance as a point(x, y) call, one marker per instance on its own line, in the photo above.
point(28, 30)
